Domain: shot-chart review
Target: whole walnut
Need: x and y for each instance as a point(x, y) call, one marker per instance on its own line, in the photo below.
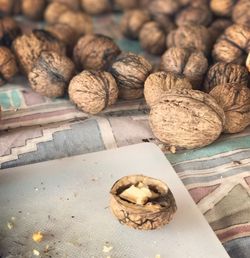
point(28, 48)
point(218, 27)
point(53, 11)
point(187, 119)
point(51, 74)
point(9, 30)
point(241, 12)
point(222, 7)
point(8, 66)
point(166, 7)
point(96, 6)
point(33, 9)
point(130, 72)
point(127, 4)
point(93, 91)
point(95, 52)
point(132, 22)
point(192, 64)
point(195, 37)
point(248, 62)
point(164, 21)
point(233, 45)
point(234, 98)
point(158, 83)
point(72, 4)
point(222, 73)
point(10, 7)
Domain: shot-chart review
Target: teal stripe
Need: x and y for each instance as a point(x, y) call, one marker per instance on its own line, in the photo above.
point(211, 150)
point(16, 100)
point(4, 101)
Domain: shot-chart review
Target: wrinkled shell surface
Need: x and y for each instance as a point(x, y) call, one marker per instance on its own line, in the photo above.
point(158, 83)
point(222, 73)
point(241, 12)
point(33, 9)
point(235, 100)
point(51, 74)
point(93, 91)
point(53, 11)
point(143, 217)
point(166, 7)
point(222, 7)
point(96, 6)
point(187, 119)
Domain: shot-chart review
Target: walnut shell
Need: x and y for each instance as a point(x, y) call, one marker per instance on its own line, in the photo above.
point(93, 91)
point(232, 45)
point(132, 22)
point(96, 6)
point(72, 4)
point(166, 7)
point(218, 27)
point(33, 9)
point(130, 72)
point(28, 48)
point(153, 215)
point(234, 98)
point(187, 119)
point(192, 64)
point(221, 73)
point(127, 4)
point(51, 74)
point(241, 12)
point(248, 62)
point(95, 52)
point(10, 7)
point(195, 37)
point(53, 11)
point(222, 7)
point(158, 83)
point(8, 66)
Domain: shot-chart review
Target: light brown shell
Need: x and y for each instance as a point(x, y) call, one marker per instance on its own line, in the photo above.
point(96, 6)
point(53, 11)
point(248, 62)
point(166, 7)
point(222, 7)
point(33, 9)
point(218, 26)
point(153, 215)
point(158, 83)
point(93, 91)
point(187, 119)
point(234, 98)
point(241, 12)
point(51, 74)
point(127, 4)
point(10, 6)
point(72, 4)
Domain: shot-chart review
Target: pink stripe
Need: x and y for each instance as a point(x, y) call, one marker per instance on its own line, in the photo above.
point(233, 231)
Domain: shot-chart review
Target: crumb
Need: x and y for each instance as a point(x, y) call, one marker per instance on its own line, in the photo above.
point(10, 225)
point(36, 189)
point(72, 217)
point(13, 218)
point(107, 249)
point(37, 237)
point(36, 252)
point(172, 149)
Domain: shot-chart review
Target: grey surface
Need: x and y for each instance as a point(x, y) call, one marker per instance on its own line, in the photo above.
point(68, 201)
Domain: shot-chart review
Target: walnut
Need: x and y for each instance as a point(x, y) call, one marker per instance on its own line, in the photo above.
point(10, 6)
point(156, 209)
point(158, 83)
point(166, 7)
point(248, 62)
point(222, 73)
point(234, 98)
point(187, 119)
point(9, 30)
point(8, 66)
point(93, 91)
point(232, 45)
point(53, 11)
point(222, 7)
point(132, 22)
point(95, 52)
point(164, 21)
point(127, 4)
point(218, 27)
point(96, 6)
point(130, 71)
point(192, 64)
point(241, 12)
point(72, 4)
point(51, 74)
point(33, 9)
point(28, 48)
point(194, 37)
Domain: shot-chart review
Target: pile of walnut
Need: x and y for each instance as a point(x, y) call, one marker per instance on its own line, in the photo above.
point(199, 90)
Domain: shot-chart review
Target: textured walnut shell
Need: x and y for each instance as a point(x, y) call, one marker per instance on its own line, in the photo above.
point(218, 27)
point(8, 66)
point(93, 91)
point(130, 72)
point(222, 7)
point(187, 119)
point(241, 13)
point(166, 7)
point(153, 215)
point(72, 4)
point(127, 4)
point(232, 45)
point(95, 52)
point(33, 9)
point(53, 11)
point(192, 64)
point(10, 7)
point(51, 74)
point(96, 6)
point(222, 73)
point(158, 83)
point(132, 22)
point(28, 48)
point(234, 98)
point(195, 37)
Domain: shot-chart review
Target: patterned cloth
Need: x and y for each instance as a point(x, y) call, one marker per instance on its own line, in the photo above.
point(217, 176)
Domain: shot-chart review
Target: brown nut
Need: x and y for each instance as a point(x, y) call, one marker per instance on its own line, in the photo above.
point(96, 6)
point(187, 119)
point(166, 7)
point(28, 48)
point(51, 74)
point(132, 22)
point(8, 66)
point(9, 30)
point(127, 4)
point(53, 11)
point(93, 91)
point(222, 7)
point(95, 52)
point(241, 12)
point(192, 64)
point(130, 72)
point(10, 7)
point(222, 73)
point(156, 213)
point(248, 62)
point(194, 37)
point(158, 83)
point(218, 27)
point(72, 4)
point(232, 45)
point(234, 98)
point(33, 9)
